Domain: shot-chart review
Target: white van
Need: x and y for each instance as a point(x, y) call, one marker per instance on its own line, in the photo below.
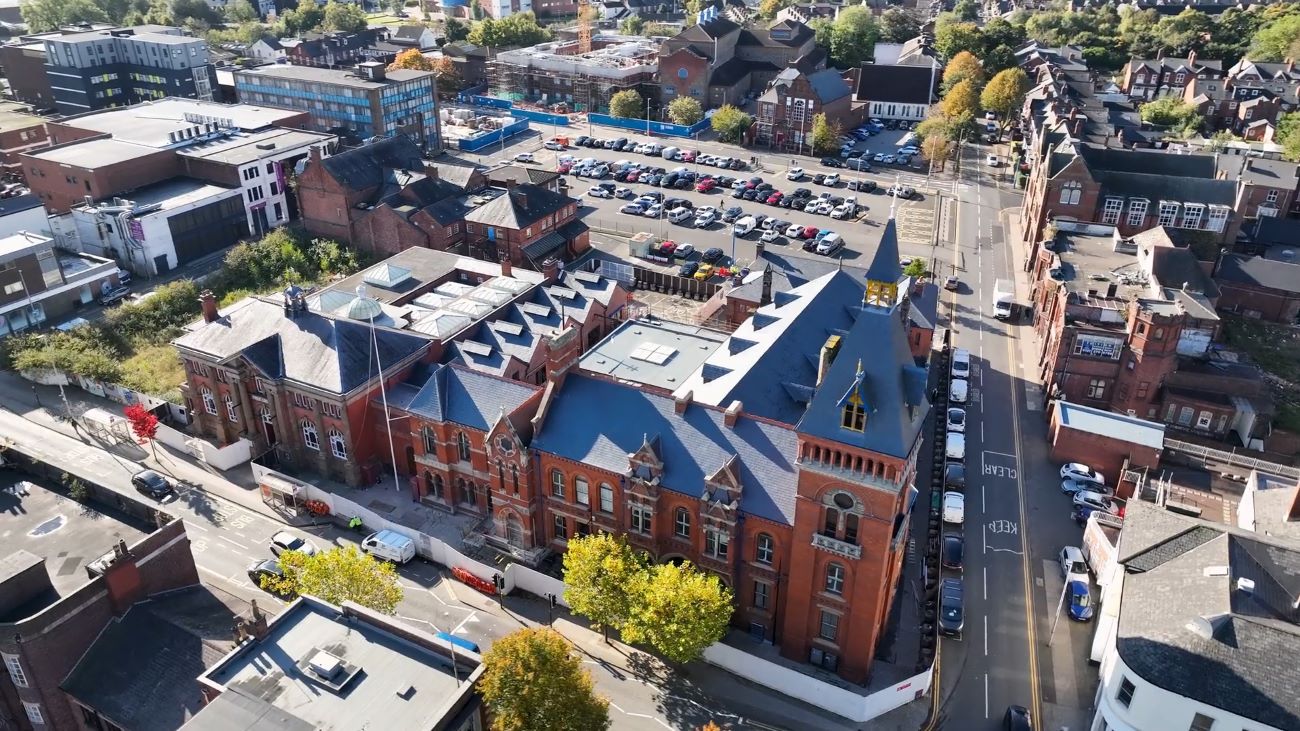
point(390, 546)
point(743, 226)
point(677, 215)
point(669, 153)
point(955, 447)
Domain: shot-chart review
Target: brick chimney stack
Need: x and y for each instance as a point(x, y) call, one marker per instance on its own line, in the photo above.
point(551, 270)
point(208, 302)
point(506, 267)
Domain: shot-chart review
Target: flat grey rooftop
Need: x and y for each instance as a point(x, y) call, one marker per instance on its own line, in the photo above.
point(150, 123)
point(177, 192)
point(1092, 262)
point(342, 77)
point(1106, 423)
point(245, 148)
point(59, 530)
point(14, 116)
point(94, 153)
point(397, 684)
point(658, 353)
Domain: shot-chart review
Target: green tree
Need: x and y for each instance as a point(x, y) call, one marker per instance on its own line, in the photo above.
point(412, 60)
point(517, 29)
point(1273, 41)
point(681, 611)
point(961, 67)
point(966, 10)
point(632, 25)
point(1001, 32)
point(898, 26)
point(1173, 113)
point(1004, 93)
point(659, 30)
point(825, 137)
point(1288, 135)
point(627, 103)
point(455, 30)
point(532, 681)
point(916, 269)
point(935, 150)
point(962, 99)
point(602, 576)
point(1218, 142)
point(768, 9)
point(823, 29)
point(730, 123)
point(338, 575)
point(685, 110)
point(1184, 32)
point(853, 37)
point(46, 15)
point(306, 17)
point(241, 11)
point(951, 39)
point(344, 17)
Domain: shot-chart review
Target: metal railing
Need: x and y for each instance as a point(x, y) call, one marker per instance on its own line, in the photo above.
point(1233, 458)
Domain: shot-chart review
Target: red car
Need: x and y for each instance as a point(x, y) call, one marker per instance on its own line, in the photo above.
point(667, 247)
point(775, 198)
point(564, 167)
point(689, 155)
point(632, 176)
point(809, 232)
point(706, 185)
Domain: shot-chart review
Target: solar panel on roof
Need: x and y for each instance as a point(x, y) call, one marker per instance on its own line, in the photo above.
point(477, 348)
point(652, 353)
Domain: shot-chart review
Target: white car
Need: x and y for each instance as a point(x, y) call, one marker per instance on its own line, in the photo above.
point(831, 180)
point(1074, 487)
point(956, 419)
point(1074, 567)
point(958, 390)
point(769, 236)
point(794, 174)
point(596, 191)
point(954, 508)
point(703, 210)
point(1081, 473)
point(553, 145)
point(960, 360)
point(824, 208)
point(704, 220)
point(842, 211)
point(794, 230)
point(1094, 500)
point(992, 161)
point(653, 210)
point(683, 251)
point(954, 447)
point(524, 157)
point(286, 541)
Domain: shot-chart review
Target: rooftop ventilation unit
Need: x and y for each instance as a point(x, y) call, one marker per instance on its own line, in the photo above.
point(328, 670)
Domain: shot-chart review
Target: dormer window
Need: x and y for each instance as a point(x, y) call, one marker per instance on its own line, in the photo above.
point(854, 417)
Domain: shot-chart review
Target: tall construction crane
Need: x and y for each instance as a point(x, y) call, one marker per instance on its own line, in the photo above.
point(584, 26)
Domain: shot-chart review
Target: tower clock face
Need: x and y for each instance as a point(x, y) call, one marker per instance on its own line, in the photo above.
point(505, 445)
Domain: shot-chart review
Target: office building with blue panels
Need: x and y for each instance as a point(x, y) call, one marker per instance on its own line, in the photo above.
point(362, 102)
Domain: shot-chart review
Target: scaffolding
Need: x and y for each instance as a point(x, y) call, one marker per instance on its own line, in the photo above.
point(559, 78)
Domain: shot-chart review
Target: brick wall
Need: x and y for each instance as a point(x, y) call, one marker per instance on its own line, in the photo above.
point(1105, 454)
point(61, 186)
point(15, 141)
point(696, 78)
point(1268, 304)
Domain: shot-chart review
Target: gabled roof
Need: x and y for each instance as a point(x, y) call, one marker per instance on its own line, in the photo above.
point(411, 32)
point(466, 397)
point(708, 32)
point(520, 206)
point(366, 166)
point(1260, 272)
point(828, 85)
point(900, 84)
point(693, 445)
point(327, 353)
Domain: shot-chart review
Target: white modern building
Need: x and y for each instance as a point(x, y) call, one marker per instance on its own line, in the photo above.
point(1208, 636)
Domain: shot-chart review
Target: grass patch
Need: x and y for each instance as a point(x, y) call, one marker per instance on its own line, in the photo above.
point(1276, 349)
point(155, 369)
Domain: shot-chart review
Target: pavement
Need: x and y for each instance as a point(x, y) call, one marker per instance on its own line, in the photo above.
point(229, 527)
point(1012, 652)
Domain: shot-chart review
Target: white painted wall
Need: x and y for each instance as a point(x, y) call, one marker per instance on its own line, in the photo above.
point(35, 220)
point(896, 110)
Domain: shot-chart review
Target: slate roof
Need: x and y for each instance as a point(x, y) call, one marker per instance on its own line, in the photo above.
point(311, 349)
point(794, 32)
point(519, 174)
point(1186, 626)
point(466, 397)
point(692, 445)
point(1259, 272)
point(900, 84)
point(411, 32)
point(736, 69)
point(521, 206)
point(707, 32)
point(1259, 171)
point(365, 167)
point(1273, 230)
point(885, 263)
point(1147, 162)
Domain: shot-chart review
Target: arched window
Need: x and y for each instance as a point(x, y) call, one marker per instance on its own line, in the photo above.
point(464, 491)
point(462, 446)
point(501, 474)
point(267, 416)
point(764, 548)
point(232, 411)
point(209, 401)
point(309, 436)
point(514, 531)
point(338, 445)
point(834, 578)
point(438, 491)
point(682, 523)
point(1070, 193)
point(851, 527)
point(581, 491)
point(832, 523)
point(514, 478)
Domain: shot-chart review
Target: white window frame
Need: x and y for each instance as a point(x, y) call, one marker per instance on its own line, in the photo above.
point(682, 523)
point(1218, 218)
point(1071, 192)
point(1137, 211)
point(209, 401)
point(642, 517)
point(1111, 210)
point(581, 490)
point(1272, 196)
point(232, 412)
point(310, 437)
point(1168, 213)
point(764, 548)
point(14, 665)
point(606, 498)
point(1193, 215)
point(557, 485)
point(835, 574)
point(338, 444)
point(716, 544)
point(34, 714)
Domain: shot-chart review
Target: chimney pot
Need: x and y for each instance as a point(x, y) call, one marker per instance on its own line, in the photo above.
point(208, 302)
point(732, 414)
point(681, 402)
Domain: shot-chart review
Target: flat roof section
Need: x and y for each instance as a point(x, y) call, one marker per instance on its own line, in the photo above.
point(15, 116)
point(658, 353)
point(94, 153)
point(1094, 261)
point(150, 123)
point(341, 77)
point(242, 149)
point(1109, 424)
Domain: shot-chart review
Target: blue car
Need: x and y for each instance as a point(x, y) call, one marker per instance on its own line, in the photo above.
point(1080, 601)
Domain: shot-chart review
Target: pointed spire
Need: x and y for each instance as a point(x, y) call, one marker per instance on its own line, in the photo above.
point(884, 266)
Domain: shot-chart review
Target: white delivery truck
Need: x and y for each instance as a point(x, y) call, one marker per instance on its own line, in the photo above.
point(1004, 294)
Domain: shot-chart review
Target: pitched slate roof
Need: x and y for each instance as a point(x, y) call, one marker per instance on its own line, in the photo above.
point(900, 84)
point(1186, 626)
point(1260, 272)
point(521, 206)
point(328, 353)
point(466, 397)
point(693, 445)
point(828, 85)
point(707, 32)
point(366, 166)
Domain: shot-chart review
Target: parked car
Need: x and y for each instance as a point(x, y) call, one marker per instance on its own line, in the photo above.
point(794, 230)
point(952, 552)
point(960, 363)
point(954, 448)
point(769, 236)
point(1018, 719)
point(1082, 473)
point(654, 210)
point(265, 569)
point(1094, 500)
point(952, 284)
point(688, 269)
point(624, 193)
point(525, 157)
point(632, 209)
point(951, 611)
point(151, 484)
point(732, 213)
point(830, 244)
point(958, 390)
point(954, 507)
point(704, 220)
point(1080, 601)
point(286, 541)
point(1074, 567)
point(831, 180)
point(683, 251)
point(902, 191)
point(705, 185)
point(831, 162)
point(794, 174)
point(954, 476)
point(992, 161)
point(956, 419)
point(1074, 487)
point(596, 191)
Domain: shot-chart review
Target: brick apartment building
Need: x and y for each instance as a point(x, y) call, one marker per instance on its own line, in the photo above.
point(1235, 98)
point(46, 634)
point(1265, 286)
point(786, 109)
point(1150, 78)
point(527, 224)
point(20, 131)
point(1131, 190)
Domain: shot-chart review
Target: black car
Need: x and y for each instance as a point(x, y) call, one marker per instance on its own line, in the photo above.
point(749, 194)
point(151, 484)
point(731, 214)
point(688, 269)
point(621, 175)
point(654, 195)
point(652, 179)
point(1018, 719)
point(810, 245)
point(737, 164)
point(954, 476)
point(764, 188)
point(831, 162)
point(669, 180)
point(673, 203)
point(581, 141)
point(270, 568)
point(759, 220)
point(865, 186)
point(684, 184)
point(594, 142)
point(852, 154)
point(619, 144)
point(953, 549)
point(819, 178)
point(801, 193)
point(951, 611)
point(711, 255)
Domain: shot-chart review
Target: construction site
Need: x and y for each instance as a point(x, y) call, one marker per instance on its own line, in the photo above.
point(559, 77)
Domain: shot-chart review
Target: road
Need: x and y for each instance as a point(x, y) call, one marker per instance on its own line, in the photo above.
point(1016, 519)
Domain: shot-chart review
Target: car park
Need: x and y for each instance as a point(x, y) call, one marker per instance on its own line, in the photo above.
point(842, 211)
point(951, 553)
point(1074, 567)
point(769, 236)
point(958, 390)
point(951, 611)
point(1080, 601)
point(286, 541)
point(775, 198)
point(862, 186)
point(909, 150)
point(1082, 473)
point(954, 508)
point(671, 203)
point(956, 419)
point(775, 224)
point(151, 484)
point(743, 226)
